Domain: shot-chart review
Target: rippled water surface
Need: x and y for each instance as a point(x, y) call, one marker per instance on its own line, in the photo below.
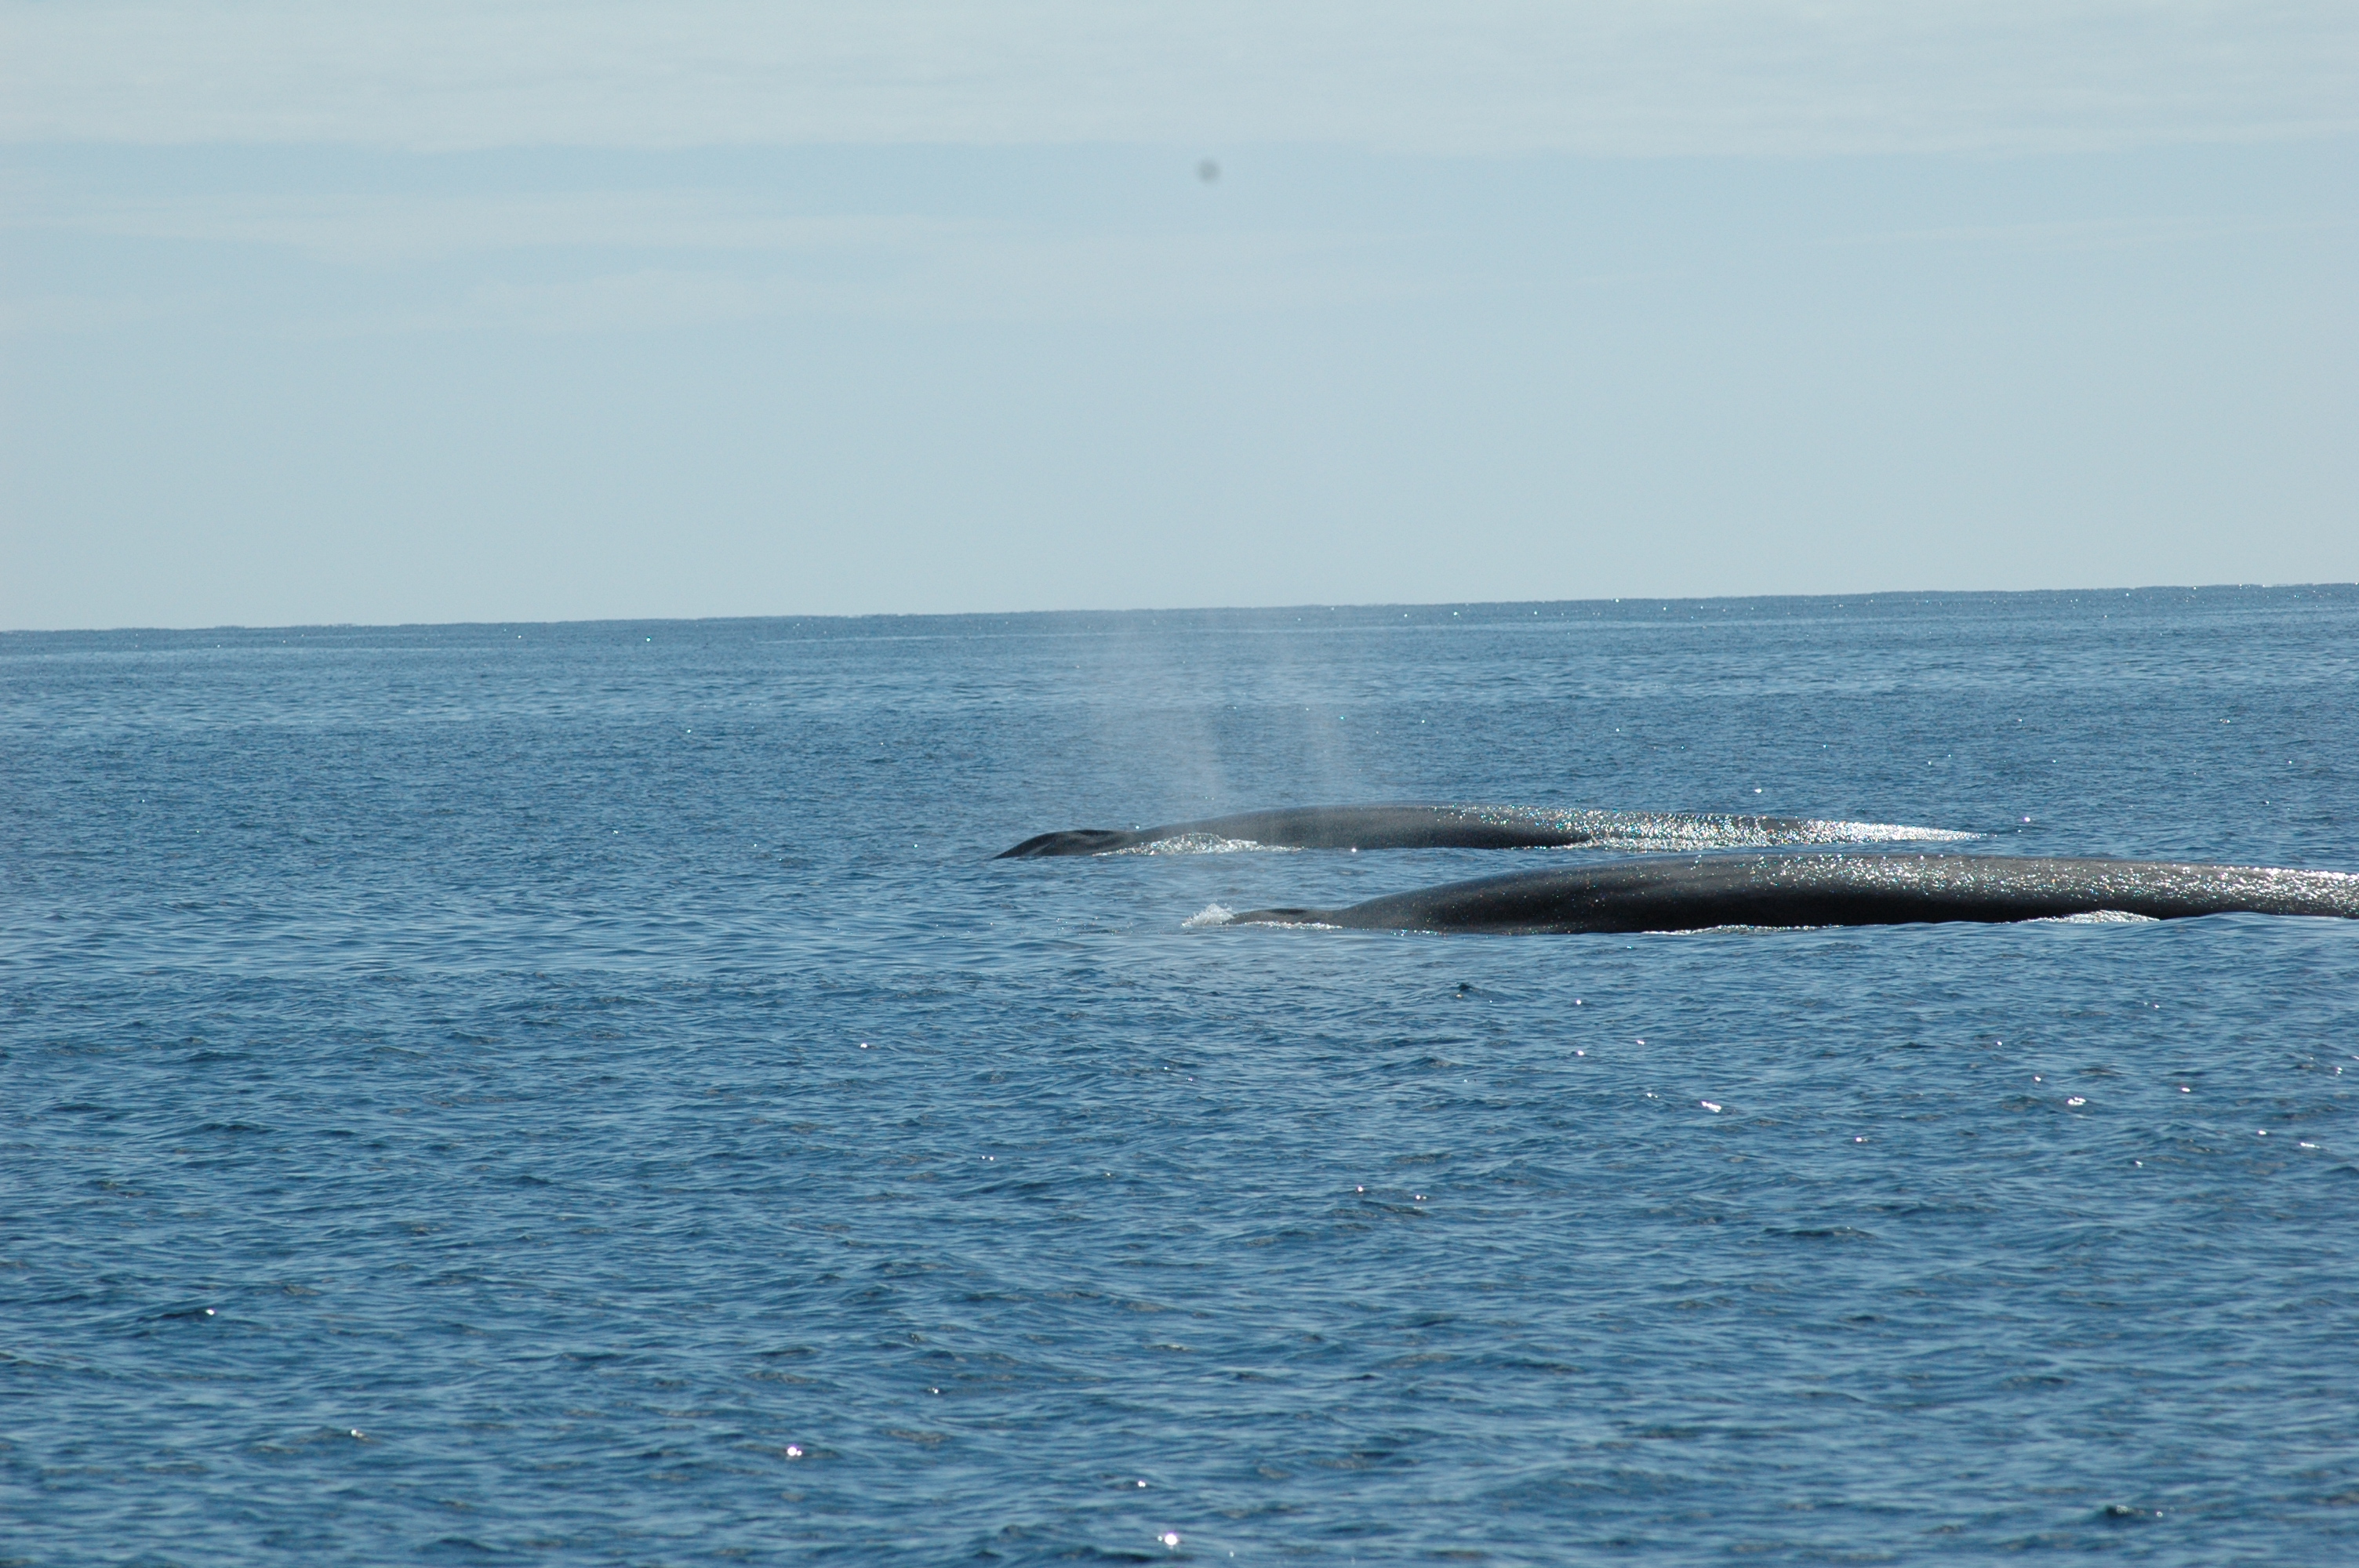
point(584, 1093)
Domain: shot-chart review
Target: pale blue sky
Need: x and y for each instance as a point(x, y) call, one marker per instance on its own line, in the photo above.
point(531, 311)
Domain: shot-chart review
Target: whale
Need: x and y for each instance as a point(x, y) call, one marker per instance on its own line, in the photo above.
point(1425, 826)
point(1823, 888)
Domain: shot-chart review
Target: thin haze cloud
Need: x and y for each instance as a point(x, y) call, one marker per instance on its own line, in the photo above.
point(1704, 77)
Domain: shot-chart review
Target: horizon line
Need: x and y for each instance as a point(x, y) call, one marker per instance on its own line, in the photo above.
point(1453, 606)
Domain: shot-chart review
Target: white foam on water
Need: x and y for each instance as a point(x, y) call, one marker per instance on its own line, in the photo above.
point(1210, 914)
point(1673, 834)
point(1623, 831)
point(1203, 844)
point(1892, 833)
point(2097, 917)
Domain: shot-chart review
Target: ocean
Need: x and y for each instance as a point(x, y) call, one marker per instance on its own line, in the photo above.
point(585, 1093)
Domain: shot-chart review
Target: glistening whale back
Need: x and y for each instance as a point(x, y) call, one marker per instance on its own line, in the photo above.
point(1876, 889)
point(1420, 826)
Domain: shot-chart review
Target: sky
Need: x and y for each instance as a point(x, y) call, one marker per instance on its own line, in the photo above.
point(528, 311)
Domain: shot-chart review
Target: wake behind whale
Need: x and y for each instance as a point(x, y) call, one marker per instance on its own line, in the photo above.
point(1423, 827)
point(1834, 889)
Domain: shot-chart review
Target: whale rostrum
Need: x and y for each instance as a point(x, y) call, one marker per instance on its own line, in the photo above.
point(1871, 888)
point(1418, 827)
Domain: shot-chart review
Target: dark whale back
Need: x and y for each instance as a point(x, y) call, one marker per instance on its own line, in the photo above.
point(1421, 826)
point(1874, 889)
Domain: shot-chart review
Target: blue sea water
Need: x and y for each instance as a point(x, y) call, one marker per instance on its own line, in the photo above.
point(584, 1093)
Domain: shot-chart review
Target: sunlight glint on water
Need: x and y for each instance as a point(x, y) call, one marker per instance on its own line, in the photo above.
point(585, 1093)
